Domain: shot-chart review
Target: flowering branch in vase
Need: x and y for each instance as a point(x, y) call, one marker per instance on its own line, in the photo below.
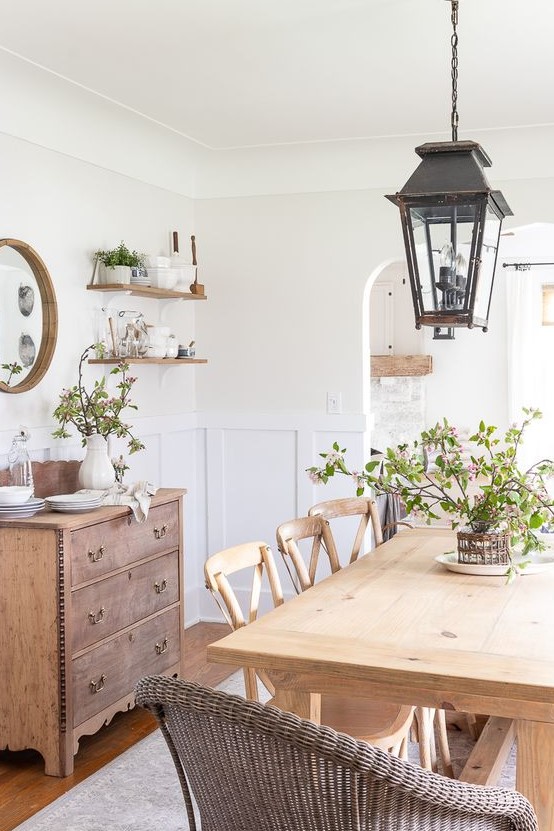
point(480, 486)
point(97, 411)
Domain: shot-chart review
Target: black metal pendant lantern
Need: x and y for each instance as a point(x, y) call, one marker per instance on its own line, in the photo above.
point(451, 221)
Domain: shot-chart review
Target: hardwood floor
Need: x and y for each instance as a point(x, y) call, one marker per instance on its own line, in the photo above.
point(24, 788)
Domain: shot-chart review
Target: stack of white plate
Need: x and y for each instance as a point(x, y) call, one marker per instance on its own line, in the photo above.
point(21, 511)
point(74, 503)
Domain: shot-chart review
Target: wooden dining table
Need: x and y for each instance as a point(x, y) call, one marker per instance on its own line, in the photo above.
point(398, 625)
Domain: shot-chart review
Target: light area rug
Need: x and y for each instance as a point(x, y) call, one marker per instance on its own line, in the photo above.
point(139, 790)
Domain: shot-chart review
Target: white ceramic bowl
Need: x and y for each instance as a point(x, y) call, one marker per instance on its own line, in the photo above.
point(15, 494)
point(157, 262)
point(162, 278)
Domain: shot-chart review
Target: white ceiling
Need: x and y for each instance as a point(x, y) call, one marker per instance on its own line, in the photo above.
point(230, 73)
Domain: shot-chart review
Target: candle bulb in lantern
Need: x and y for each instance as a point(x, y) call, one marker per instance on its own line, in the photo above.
point(446, 264)
point(461, 272)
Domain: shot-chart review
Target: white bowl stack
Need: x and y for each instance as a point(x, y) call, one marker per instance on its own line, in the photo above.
point(17, 502)
point(160, 272)
point(15, 494)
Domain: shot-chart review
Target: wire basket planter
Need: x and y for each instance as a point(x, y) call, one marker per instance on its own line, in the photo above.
point(484, 549)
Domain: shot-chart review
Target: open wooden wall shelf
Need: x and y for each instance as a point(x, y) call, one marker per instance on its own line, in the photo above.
point(383, 366)
point(161, 361)
point(146, 291)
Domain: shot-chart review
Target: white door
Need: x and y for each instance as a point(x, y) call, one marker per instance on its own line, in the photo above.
point(381, 319)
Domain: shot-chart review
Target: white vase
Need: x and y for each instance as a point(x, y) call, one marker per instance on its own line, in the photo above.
point(96, 471)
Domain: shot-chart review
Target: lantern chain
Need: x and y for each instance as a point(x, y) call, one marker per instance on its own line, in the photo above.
point(454, 65)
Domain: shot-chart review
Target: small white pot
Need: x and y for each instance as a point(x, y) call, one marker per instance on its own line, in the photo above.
point(118, 274)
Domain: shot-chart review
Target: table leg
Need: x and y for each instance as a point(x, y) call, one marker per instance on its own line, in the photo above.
point(304, 704)
point(535, 763)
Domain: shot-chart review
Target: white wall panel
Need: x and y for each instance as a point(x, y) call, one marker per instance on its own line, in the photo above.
point(259, 476)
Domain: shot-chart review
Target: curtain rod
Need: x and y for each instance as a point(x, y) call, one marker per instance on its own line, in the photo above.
point(523, 266)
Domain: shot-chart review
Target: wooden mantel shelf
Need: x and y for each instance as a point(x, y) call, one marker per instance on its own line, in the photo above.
point(388, 365)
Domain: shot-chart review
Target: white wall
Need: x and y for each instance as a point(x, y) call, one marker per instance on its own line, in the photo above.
point(289, 240)
point(286, 277)
point(50, 112)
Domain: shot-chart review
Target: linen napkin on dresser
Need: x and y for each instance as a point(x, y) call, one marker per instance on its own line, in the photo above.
point(138, 496)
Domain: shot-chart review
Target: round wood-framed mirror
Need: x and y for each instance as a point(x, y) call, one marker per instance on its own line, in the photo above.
point(28, 316)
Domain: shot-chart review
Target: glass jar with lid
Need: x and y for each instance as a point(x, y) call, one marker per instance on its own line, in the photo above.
point(19, 461)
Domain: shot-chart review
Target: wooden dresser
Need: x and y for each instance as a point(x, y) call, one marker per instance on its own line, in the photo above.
point(89, 603)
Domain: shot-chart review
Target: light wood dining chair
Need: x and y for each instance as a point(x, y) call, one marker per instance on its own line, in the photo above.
point(256, 558)
point(359, 506)
point(316, 529)
point(382, 724)
point(305, 566)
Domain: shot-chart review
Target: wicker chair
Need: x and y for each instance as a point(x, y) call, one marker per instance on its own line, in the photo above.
point(247, 766)
point(315, 528)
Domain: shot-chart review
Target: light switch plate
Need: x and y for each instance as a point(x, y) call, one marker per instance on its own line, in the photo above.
point(334, 403)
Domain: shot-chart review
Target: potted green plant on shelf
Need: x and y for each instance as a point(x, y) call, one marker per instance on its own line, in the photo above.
point(96, 415)
point(117, 263)
point(493, 504)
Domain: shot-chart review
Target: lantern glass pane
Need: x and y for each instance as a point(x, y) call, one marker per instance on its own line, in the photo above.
point(442, 239)
point(491, 234)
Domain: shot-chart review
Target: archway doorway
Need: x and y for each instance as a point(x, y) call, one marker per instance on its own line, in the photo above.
point(396, 401)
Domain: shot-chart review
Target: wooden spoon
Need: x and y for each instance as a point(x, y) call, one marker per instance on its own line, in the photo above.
point(196, 287)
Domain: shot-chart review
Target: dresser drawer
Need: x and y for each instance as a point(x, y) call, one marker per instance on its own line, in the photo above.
point(102, 608)
point(106, 546)
point(108, 672)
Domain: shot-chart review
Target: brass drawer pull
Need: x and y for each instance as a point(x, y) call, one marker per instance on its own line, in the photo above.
point(163, 647)
point(160, 587)
point(98, 617)
point(96, 686)
point(95, 556)
point(160, 532)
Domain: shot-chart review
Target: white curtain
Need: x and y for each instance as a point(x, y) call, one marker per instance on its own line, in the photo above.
point(530, 361)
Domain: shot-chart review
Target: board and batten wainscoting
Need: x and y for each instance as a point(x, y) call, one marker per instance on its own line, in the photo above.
point(244, 474)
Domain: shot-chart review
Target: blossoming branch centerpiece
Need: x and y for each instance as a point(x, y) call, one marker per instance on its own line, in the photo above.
point(480, 485)
point(97, 413)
